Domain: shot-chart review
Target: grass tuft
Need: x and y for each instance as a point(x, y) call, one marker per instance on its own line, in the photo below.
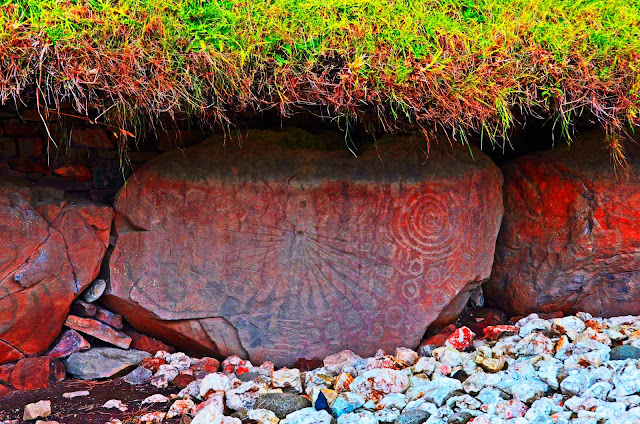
point(455, 65)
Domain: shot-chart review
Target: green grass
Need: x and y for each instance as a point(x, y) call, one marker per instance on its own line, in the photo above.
point(455, 65)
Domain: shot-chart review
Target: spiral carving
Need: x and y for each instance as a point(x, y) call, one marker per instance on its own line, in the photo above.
point(425, 225)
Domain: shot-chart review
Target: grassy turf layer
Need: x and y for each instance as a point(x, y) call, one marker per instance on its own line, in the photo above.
point(457, 65)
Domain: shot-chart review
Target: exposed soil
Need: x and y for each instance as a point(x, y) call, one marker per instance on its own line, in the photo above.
point(87, 409)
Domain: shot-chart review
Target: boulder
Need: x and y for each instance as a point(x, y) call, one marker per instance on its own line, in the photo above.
point(277, 252)
point(570, 237)
point(36, 373)
point(51, 249)
point(103, 362)
point(148, 344)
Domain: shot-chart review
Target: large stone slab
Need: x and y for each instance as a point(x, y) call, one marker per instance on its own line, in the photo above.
point(570, 238)
point(51, 248)
point(103, 362)
point(278, 253)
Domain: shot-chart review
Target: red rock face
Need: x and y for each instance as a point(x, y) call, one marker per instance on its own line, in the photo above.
point(36, 373)
point(51, 248)
point(570, 238)
point(277, 253)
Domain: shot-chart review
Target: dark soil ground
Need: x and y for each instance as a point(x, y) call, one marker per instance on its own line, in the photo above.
point(87, 409)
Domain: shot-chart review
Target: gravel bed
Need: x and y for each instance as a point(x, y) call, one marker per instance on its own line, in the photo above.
point(576, 369)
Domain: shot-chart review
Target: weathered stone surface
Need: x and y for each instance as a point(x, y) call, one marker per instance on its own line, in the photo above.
point(281, 404)
point(70, 342)
point(36, 373)
point(5, 390)
point(148, 344)
point(140, 375)
point(51, 249)
point(5, 372)
point(98, 330)
point(109, 318)
point(103, 362)
point(277, 253)
point(570, 238)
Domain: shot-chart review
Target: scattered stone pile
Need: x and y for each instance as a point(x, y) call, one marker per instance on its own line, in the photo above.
point(575, 369)
point(69, 354)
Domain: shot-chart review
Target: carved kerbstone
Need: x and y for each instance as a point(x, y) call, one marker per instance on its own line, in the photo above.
point(277, 253)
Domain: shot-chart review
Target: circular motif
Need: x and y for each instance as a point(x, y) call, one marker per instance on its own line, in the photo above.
point(394, 316)
point(377, 331)
point(410, 289)
point(433, 277)
point(416, 267)
point(425, 225)
point(367, 302)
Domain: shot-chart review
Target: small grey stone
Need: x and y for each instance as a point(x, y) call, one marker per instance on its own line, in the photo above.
point(460, 417)
point(140, 375)
point(103, 362)
point(281, 404)
point(248, 376)
point(543, 419)
point(413, 416)
point(94, 291)
point(620, 353)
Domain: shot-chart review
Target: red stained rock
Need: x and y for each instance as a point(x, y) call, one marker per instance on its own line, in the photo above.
point(183, 379)
point(478, 319)
point(91, 137)
point(36, 373)
point(235, 365)
point(596, 325)
point(145, 343)
point(111, 319)
point(98, 330)
point(443, 369)
point(76, 172)
point(152, 364)
point(495, 331)
point(570, 239)
point(70, 342)
point(302, 253)
point(343, 381)
point(209, 365)
point(5, 372)
point(28, 165)
point(440, 338)
point(304, 364)
point(461, 338)
point(51, 249)
point(8, 353)
point(5, 390)
point(551, 315)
